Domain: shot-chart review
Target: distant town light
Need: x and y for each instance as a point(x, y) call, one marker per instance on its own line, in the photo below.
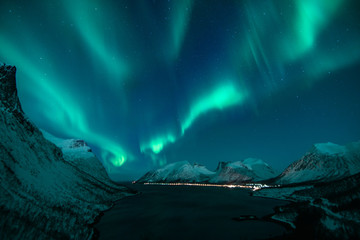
point(252, 186)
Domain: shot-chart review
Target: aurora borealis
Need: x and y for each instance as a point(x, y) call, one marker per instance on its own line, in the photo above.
point(150, 82)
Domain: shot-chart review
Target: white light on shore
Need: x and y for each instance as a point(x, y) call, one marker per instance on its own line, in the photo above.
point(252, 186)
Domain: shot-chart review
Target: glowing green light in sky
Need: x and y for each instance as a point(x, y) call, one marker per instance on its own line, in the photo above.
point(89, 21)
point(273, 44)
point(157, 159)
point(180, 19)
point(275, 39)
point(259, 54)
point(59, 107)
point(311, 18)
point(157, 144)
point(157, 147)
point(224, 96)
point(116, 160)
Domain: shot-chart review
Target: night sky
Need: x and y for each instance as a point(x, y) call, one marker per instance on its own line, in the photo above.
point(147, 83)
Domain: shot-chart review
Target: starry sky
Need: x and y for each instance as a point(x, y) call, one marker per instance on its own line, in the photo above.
point(151, 82)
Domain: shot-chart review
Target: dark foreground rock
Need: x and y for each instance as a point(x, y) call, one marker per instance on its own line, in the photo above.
point(44, 195)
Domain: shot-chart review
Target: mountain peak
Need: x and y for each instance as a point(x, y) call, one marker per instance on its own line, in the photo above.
point(250, 162)
point(324, 162)
point(181, 171)
point(221, 165)
point(8, 92)
point(76, 147)
point(226, 172)
point(329, 148)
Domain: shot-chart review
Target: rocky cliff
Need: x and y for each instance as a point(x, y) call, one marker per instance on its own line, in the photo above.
point(43, 194)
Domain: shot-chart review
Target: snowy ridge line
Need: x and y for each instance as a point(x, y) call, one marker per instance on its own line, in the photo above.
point(249, 170)
point(323, 163)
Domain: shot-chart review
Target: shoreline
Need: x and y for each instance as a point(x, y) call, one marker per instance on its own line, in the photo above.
point(95, 232)
point(241, 217)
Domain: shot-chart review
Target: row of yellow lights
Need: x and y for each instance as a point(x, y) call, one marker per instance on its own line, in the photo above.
point(253, 186)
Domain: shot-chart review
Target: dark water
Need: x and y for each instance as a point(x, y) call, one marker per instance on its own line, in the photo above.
point(188, 212)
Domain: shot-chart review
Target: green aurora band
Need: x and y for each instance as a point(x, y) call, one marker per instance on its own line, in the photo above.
point(107, 41)
point(221, 98)
point(61, 109)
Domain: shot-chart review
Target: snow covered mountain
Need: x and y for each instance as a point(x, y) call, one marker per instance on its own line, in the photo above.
point(261, 169)
point(80, 155)
point(231, 172)
point(324, 162)
point(45, 194)
point(250, 169)
point(227, 172)
point(178, 172)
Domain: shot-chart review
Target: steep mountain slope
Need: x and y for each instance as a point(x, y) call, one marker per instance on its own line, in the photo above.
point(43, 196)
point(178, 172)
point(79, 154)
point(337, 205)
point(324, 162)
point(231, 172)
point(327, 210)
point(250, 169)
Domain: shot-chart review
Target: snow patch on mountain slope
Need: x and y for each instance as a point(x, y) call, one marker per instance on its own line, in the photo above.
point(74, 147)
point(237, 164)
point(201, 169)
point(260, 168)
point(250, 162)
point(178, 172)
point(330, 148)
point(79, 154)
